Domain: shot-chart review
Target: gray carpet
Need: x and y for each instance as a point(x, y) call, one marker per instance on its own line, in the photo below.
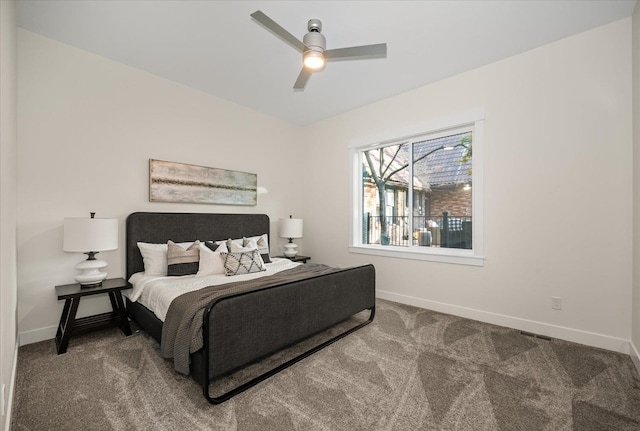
point(411, 369)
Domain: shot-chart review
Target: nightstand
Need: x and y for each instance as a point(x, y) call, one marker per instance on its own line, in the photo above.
point(297, 258)
point(72, 293)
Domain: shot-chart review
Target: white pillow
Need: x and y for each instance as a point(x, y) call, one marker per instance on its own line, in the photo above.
point(238, 241)
point(234, 247)
point(211, 262)
point(260, 242)
point(154, 257)
point(251, 242)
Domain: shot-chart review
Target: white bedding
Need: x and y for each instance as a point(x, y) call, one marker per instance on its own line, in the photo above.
point(157, 292)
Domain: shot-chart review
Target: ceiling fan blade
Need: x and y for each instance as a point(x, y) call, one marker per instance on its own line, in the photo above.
point(278, 30)
point(302, 79)
point(365, 51)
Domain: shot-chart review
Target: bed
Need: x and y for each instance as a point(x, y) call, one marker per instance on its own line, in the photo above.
point(241, 328)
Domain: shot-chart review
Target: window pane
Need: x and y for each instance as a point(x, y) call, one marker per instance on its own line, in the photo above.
point(442, 182)
point(385, 179)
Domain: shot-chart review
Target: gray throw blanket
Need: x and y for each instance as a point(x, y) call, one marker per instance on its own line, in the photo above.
point(182, 329)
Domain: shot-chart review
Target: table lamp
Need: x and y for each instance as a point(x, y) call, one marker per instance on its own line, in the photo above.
point(90, 236)
point(290, 228)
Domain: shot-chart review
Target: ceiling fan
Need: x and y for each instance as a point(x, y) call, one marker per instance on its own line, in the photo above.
point(312, 46)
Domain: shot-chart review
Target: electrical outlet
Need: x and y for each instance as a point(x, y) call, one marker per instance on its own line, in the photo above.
point(556, 303)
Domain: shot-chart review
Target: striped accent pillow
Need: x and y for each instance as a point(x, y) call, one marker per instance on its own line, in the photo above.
point(246, 262)
point(181, 261)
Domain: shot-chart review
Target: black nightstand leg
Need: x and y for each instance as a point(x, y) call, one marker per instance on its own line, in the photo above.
point(118, 307)
point(63, 317)
point(112, 298)
point(67, 321)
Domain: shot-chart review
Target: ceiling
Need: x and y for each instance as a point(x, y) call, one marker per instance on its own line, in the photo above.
point(215, 47)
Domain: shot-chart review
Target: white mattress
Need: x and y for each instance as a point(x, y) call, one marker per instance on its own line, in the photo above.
point(157, 292)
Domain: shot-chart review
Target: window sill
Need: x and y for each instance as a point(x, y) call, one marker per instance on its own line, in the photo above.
point(455, 256)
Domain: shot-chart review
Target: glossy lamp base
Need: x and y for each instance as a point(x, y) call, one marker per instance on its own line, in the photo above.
point(90, 274)
point(290, 249)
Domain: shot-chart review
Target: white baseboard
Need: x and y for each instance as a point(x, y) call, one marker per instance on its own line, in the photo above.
point(12, 384)
point(577, 336)
point(635, 356)
point(37, 335)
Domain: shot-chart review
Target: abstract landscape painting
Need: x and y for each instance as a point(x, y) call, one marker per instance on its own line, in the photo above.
point(179, 182)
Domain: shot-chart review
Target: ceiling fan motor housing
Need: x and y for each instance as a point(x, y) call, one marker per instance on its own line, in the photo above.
point(314, 39)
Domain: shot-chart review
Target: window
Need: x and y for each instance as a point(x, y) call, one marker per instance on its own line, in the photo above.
point(419, 195)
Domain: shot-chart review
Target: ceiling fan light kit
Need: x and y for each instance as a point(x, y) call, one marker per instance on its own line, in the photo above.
point(314, 60)
point(313, 47)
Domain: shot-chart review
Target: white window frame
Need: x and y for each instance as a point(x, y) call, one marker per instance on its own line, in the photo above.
point(473, 119)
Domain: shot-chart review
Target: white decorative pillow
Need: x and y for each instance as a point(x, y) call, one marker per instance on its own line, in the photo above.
point(154, 257)
point(235, 247)
point(243, 263)
point(261, 243)
point(227, 241)
point(211, 262)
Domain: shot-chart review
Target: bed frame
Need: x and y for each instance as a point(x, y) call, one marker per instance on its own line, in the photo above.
point(242, 328)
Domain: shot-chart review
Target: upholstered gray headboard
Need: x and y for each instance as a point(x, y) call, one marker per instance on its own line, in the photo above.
point(181, 227)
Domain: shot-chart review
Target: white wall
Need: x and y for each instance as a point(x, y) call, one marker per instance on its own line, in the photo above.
point(635, 332)
point(8, 159)
point(558, 190)
point(87, 129)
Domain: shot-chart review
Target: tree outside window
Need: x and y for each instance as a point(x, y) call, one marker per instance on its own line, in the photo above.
point(419, 192)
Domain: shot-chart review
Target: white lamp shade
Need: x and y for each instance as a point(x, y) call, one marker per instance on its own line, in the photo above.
point(291, 228)
point(90, 234)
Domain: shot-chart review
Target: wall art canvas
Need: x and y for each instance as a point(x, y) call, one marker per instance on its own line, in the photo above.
point(179, 182)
